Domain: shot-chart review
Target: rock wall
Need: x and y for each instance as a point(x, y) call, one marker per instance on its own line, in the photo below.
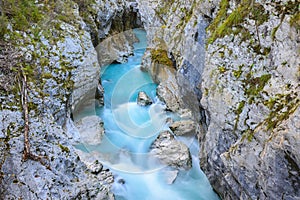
point(251, 96)
point(176, 51)
point(235, 64)
point(54, 47)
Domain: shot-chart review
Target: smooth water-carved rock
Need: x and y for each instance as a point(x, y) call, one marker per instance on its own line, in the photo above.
point(90, 129)
point(168, 92)
point(170, 176)
point(183, 127)
point(116, 48)
point(171, 152)
point(143, 99)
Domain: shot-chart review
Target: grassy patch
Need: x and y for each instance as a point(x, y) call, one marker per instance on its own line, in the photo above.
point(223, 25)
point(238, 111)
point(21, 14)
point(240, 108)
point(64, 148)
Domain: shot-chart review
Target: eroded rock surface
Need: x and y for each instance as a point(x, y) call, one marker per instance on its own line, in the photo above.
point(90, 129)
point(240, 80)
point(184, 127)
point(171, 152)
point(56, 52)
point(64, 176)
point(143, 99)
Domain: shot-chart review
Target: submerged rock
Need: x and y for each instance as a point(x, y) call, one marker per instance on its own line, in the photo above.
point(183, 127)
point(171, 152)
point(143, 99)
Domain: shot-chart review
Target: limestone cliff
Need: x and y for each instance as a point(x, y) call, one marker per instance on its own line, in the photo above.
point(251, 95)
point(52, 44)
point(235, 64)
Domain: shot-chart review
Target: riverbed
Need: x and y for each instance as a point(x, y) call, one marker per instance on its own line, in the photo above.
point(130, 130)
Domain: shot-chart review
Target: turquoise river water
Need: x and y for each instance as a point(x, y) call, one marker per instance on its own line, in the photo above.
point(130, 130)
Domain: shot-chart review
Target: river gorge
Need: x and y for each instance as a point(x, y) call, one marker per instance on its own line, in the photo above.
point(146, 99)
point(131, 129)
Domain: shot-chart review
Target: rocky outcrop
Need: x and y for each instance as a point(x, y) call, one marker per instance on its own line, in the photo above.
point(64, 176)
point(184, 127)
point(251, 96)
point(143, 99)
point(171, 152)
point(116, 48)
point(244, 89)
point(109, 25)
point(90, 130)
point(107, 18)
point(175, 51)
point(54, 48)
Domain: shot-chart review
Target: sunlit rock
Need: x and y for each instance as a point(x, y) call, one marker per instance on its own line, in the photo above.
point(143, 99)
point(171, 152)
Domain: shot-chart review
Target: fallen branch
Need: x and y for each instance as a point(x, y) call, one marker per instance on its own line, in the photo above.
point(24, 102)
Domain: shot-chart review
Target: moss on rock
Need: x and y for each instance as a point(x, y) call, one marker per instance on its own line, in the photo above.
point(161, 57)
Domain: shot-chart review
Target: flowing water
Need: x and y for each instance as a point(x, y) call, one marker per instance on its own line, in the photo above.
point(130, 130)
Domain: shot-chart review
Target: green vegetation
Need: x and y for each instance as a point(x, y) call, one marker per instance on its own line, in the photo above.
point(64, 148)
point(20, 13)
point(240, 108)
point(281, 106)
point(295, 20)
point(164, 7)
point(256, 85)
point(238, 73)
point(249, 134)
point(223, 23)
point(161, 57)
point(222, 69)
point(221, 16)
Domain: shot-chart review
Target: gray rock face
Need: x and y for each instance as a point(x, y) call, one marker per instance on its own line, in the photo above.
point(168, 92)
point(143, 99)
point(66, 77)
point(171, 152)
point(247, 95)
point(111, 17)
point(116, 48)
point(183, 127)
point(245, 100)
point(90, 129)
point(67, 177)
point(183, 44)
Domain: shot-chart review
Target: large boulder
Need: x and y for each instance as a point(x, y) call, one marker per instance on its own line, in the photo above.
point(171, 152)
